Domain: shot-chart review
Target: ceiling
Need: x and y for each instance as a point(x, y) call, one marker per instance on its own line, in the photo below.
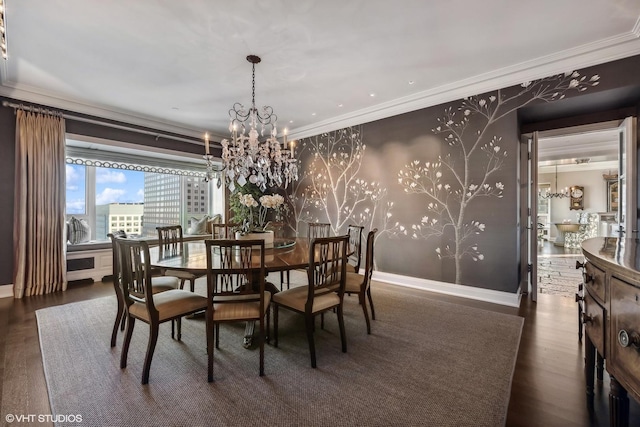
point(590, 147)
point(180, 66)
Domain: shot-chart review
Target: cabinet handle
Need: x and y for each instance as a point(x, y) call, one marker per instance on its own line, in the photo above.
point(587, 318)
point(579, 297)
point(579, 265)
point(588, 277)
point(626, 339)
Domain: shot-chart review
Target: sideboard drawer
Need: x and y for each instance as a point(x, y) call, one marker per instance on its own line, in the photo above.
point(594, 315)
point(594, 281)
point(625, 335)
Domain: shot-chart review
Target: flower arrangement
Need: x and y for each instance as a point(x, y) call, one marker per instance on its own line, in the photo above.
point(257, 220)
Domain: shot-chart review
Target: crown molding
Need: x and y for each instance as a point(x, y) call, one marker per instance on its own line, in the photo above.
point(599, 52)
point(29, 94)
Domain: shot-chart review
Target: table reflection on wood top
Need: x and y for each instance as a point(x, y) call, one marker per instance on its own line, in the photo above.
point(287, 254)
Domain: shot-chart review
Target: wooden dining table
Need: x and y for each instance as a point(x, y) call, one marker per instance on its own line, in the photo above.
point(287, 254)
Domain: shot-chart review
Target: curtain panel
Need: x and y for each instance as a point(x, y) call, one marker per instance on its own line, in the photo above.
point(39, 211)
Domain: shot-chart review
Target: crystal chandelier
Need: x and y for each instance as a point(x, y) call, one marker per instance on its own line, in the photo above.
point(245, 158)
point(549, 195)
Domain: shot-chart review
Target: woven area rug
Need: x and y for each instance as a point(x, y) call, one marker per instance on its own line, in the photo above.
point(425, 363)
point(557, 274)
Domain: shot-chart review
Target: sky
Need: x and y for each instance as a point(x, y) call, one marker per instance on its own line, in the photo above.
point(112, 186)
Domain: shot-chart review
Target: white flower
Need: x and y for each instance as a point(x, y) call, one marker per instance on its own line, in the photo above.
point(466, 112)
point(482, 102)
point(573, 83)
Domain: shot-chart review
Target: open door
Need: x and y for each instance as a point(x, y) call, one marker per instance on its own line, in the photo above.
point(627, 177)
point(528, 215)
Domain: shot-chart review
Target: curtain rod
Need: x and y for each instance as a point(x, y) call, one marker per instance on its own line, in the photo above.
point(102, 123)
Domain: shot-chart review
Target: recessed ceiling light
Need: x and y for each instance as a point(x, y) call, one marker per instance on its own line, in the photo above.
point(411, 82)
point(290, 121)
point(372, 95)
point(175, 108)
point(313, 114)
point(339, 105)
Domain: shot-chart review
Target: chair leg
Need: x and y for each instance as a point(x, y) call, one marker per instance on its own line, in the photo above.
point(322, 320)
point(309, 320)
point(182, 283)
point(179, 322)
point(268, 328)
point(192, 283)
point(373, 310)
point(209, 330)
point(127, 339)
point(123, 322)
point(363, 303)
point(153, 339)
point(119, 319)
point(275, 325)
point(343, 336)
point(261, 339)
point(217, 335)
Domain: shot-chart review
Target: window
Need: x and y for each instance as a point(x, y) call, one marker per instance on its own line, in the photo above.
point(118, 191)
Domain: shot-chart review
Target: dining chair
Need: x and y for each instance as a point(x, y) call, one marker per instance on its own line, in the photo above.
point(326, 276)
point(361, 284)
point(318, 229)
point(170, 241)
point(355, 247)
point(141, 303)
point(159, 284)
point(236, 289)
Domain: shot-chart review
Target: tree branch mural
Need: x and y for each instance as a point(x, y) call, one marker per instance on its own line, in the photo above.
point(451, 183)
point(334, 188)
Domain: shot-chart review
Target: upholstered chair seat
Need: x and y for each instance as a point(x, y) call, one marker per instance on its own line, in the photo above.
point(296, 298)
point(239, 307)
point(170, 304)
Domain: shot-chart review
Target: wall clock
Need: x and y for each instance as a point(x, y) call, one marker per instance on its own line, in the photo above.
point(577, 198)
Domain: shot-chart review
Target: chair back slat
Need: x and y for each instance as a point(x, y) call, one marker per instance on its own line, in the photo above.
point(355, 245)
point(222, 231)
point(235, 267)
point(115, 260)
point(318, 229)
point(170, 239)
point(327, 267)
point(368, 262)
point(135, 271)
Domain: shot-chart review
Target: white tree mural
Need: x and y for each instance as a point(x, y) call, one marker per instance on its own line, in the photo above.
point(332, 189)
point(451, 183)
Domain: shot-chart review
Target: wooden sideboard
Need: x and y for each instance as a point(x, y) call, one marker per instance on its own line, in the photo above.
point(612, 319)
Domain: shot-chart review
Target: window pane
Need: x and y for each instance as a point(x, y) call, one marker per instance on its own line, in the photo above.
point(76, 181)
point(119, 199)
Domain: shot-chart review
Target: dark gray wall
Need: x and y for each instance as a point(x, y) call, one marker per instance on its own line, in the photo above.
point(489, 254)
point(7, 179)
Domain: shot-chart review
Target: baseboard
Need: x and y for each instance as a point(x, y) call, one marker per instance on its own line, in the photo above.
point(480, 294)
point(6, 291)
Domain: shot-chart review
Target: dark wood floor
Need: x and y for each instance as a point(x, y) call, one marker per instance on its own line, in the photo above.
point(548, 384)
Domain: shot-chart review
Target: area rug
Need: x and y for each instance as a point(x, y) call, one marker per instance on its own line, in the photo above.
point(426, 363)
point(557, 275)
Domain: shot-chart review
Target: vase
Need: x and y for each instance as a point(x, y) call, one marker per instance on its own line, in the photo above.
point(267, 236)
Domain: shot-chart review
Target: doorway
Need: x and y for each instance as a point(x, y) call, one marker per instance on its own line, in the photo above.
point(575, 175)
